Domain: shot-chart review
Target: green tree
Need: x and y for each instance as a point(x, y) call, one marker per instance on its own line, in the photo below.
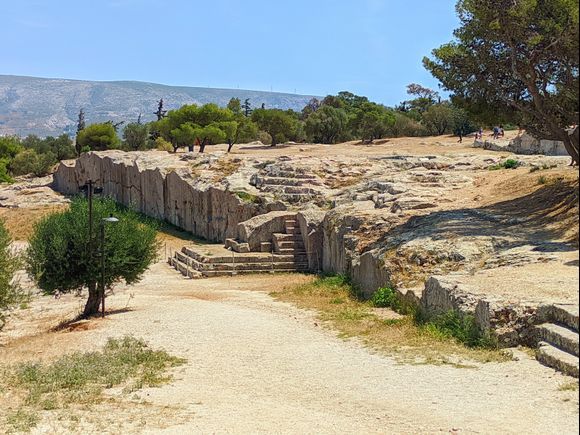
point(10, 146)
point(30, 162)
point(277, 123)
point(326, 124)
point(135, 136)
point(235, 106)
point(247, 107)
point(81, 124)
point(61, 147)
point(183, 136)
point(10, 292)
point(98, 137)
point(59, 261)
point(517, 55)
point(439, 118)
point(371, 121)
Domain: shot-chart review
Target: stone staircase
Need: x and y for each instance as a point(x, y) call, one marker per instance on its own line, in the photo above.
point(558, 338)
point(286, 254)
point(289, 184)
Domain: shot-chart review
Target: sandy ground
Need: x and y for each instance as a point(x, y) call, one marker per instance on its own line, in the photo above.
point(255, 365)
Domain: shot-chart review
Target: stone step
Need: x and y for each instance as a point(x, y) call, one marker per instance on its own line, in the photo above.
point(292, 265)
point(566, 315)
point(292, 251)
point(556, 358)
point(214, 273)
point(559, 336)
point(266, 247)
point(184, 269)
point(236, 246)
point(297, 245)
point(238, 258)
point(293, 231)
point(294, 198)
point(280, 237)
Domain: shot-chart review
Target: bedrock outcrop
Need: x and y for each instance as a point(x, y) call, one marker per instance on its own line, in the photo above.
point(164, 187)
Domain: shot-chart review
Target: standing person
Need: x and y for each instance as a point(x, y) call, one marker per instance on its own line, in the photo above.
point(495, 132)
point(460, 134)
point(501, 131)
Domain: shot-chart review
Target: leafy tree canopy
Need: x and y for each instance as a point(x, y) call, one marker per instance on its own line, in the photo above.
point(98, 137)
point(58, 259)
point(517, 58)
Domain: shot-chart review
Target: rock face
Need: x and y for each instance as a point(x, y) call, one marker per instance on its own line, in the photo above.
point(145, 182)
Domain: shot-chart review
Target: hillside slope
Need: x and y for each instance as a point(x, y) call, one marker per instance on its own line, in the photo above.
point(30, 105)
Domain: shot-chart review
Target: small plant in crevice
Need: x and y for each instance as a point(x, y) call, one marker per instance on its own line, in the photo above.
point(508, 164)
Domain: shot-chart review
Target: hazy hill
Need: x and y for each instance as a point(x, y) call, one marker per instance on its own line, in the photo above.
point(31, 105)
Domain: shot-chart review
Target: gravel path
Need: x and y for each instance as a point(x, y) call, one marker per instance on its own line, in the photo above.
point(255, 365)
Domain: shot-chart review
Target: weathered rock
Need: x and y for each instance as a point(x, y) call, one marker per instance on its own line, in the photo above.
point(310, 222)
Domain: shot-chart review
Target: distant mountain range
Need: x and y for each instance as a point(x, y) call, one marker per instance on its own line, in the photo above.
point(32, 105)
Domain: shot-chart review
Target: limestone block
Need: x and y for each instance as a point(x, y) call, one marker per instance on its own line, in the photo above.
point(260, 228)
point(310, 222)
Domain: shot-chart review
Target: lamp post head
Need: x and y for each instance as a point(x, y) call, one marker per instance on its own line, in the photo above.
point(110, 219)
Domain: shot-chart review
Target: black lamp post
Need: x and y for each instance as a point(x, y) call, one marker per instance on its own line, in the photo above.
point(104, 221)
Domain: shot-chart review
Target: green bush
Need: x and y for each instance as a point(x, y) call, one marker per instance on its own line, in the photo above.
point(385, 297)
point(4, 174)
point(508, 164)
point(30, 162)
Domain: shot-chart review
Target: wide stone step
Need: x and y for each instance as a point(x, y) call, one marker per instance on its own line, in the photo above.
point(279, 181)
point(566, 315)
point(556, 358)
point(293, 230)
point(292, 251)
point(279, 237)
point(238, 258)
point(184, 269)
point(294, 198)
point(254, 266)
point(214, 273)
point(289, 244)
point(559, 336)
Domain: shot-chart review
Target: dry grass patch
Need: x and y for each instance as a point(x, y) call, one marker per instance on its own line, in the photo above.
point(20, 221)
point(225, 167)
point(79, 380)
point(402, 338)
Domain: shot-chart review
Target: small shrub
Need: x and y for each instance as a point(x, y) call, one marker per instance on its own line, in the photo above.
point(508, 164)
point(385, 297)
point(264, 137)
point(542, 179)
point(162, 145)
point(460, 326)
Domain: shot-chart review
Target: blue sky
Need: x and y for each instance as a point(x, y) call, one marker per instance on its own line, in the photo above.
point(316, 47)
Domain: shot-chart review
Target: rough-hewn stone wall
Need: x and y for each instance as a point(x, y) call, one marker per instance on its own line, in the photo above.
point(143, 182)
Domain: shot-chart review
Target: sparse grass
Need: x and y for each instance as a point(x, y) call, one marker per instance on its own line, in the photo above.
point(247, 197)
point(225, 167)
point(569, 386)
point(404, 339)
point(20, 221)
point(81, 378)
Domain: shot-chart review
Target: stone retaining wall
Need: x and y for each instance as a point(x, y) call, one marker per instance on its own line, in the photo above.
point(171, 194)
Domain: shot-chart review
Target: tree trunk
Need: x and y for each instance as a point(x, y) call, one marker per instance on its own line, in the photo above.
point(93, 302)
point(230, 145)
point(571, 145)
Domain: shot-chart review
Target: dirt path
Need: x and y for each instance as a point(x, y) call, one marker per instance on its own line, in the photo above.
point(260, 366)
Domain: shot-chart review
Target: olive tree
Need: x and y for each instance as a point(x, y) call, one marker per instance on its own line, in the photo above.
point(63, 257)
